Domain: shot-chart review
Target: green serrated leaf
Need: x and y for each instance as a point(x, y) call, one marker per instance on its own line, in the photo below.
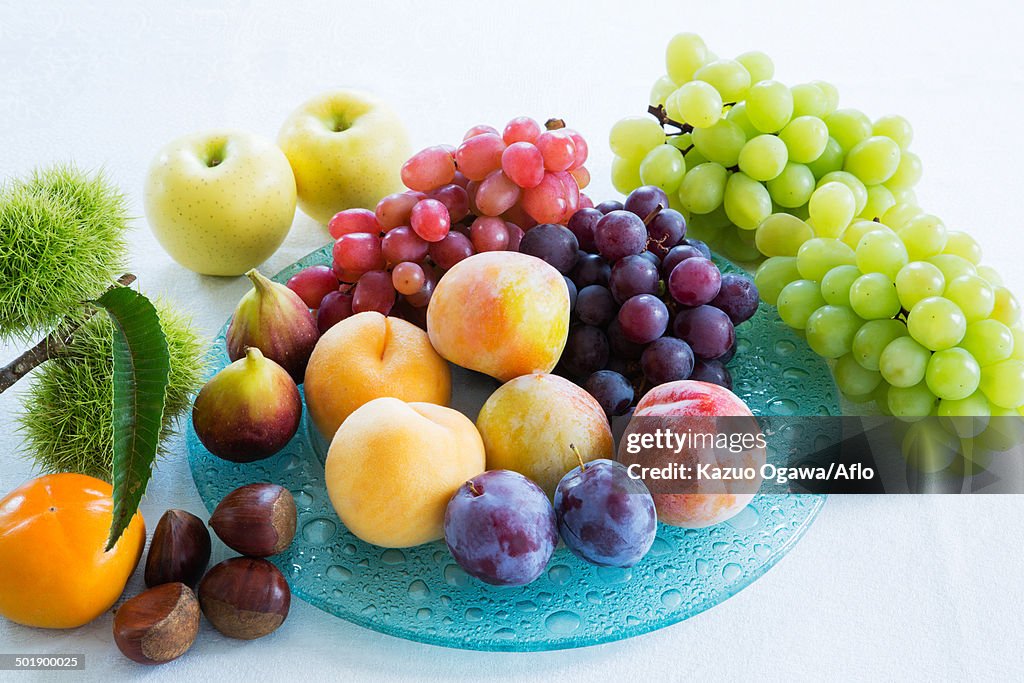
point(141, 370)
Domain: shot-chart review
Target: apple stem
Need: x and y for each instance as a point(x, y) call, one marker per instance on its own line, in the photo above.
point(579, 456)
point(473, 489)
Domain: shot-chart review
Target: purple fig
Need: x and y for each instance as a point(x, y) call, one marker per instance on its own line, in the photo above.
point(276, 321)
point(249, 410)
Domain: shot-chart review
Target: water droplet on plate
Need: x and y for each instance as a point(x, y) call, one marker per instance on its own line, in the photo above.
point(731, 571)
point(660, 546)
point(455, 576)
point(474, 614)
point(392, 556)
point(702, 567)
point(671, 598)
point(302, 499)
point(562, 622)
point(526, 606)
point(319, 530)
point(783, 406)
point(418, 591)
point(559, 574)
point(745, 519)
point(338, 573)
point(614, 574)
point(423, 614)
point(504, 634)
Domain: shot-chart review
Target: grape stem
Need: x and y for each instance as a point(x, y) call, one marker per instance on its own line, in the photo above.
point(52, 346)
point(554, 124)
point(653, 214)
point(659, 113)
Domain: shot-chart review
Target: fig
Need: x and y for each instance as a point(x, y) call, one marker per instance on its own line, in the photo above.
point(275, 320)
point(249, 410)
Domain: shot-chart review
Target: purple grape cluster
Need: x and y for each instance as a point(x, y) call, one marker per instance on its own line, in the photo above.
point(649, 305)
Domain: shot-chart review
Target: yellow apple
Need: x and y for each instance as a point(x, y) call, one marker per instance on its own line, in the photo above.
point(220, 202)
point(347, 149)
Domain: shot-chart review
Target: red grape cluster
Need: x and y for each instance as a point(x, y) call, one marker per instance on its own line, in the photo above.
point(481, 196)
point(649, 305)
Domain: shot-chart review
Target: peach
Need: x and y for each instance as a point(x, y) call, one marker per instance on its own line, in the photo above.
point(369, 356)
point(393, 466)
point(697, 503)
point(502, 313)
point(529, 425)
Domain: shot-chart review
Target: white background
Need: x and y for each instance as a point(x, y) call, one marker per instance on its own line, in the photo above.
point(909, 586)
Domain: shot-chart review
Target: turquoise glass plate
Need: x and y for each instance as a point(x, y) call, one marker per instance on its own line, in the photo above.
point(421, 594)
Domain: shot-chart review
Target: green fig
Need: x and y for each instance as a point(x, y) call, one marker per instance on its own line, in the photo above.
point(275, 320)
point(249, 410)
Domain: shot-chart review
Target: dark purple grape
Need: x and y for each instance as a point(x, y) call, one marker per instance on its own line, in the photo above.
point(643, 318)
point(645, 199)
point(609, 206)
point(666, 360)
point(713, 372)
point(612, 390)
point(586, 351)
point(605, 516)
point(619, 234)
point(666, 231)
point(552, 243)
point(453, 248)
point(676, 255)
point(728, 355)
point(738, 297)
point(707, 330)
point(633, 275)
point(573, 294)
point(694, 281)
point(591, 269)
point(621, 346)
point(500, 527)
point(596, 306)
point(705, 250)
point(652, 257)
point(582, 225)
point(334, 308)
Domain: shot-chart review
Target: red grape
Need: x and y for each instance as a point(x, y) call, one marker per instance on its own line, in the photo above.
point(402, 244)
point(358, 252)
point(353, 220)
point(455, 199)
point(582, 151)
point(643, 318)
point(713, 372)
point(496, 194)
point(313, 284)
point(430, 220)
point(450, 250)
point(489, 234)
point(515, 236)
point(738, 298)
point(612, 391)
point(633, 275)
point(374, 292)
point(666, 231)
point(619, 234)
point(523, 163)
point(546, 203)
point(666, 360)
point(428, 169)
point(644, 200)
point(695, 281)
point(335, 307)
point(479, 155)
point(582, 225)
point(707, 330)
point(521, 129)
point(408, 278)
point(552, 243)
point(595, 305)
point(557, 148)
point(393, 210)
point(581, 175)
point(676, 255)
point(572, 194)
point(480, 130)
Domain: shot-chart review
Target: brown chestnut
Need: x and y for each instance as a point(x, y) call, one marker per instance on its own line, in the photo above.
point(256, 519)
point(245, 597)
point(157, 625)
point(180, 550)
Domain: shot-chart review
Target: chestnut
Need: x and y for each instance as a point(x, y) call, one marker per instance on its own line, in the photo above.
point(180, 550)
point(157, 625)
point(256, 519)
point(245, 597)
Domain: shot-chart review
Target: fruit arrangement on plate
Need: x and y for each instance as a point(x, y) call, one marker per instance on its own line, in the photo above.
point(412, 428)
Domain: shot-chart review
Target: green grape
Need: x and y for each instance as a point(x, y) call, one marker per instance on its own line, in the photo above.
point(633, 137)
point(914, 402)
point(989, 341)
point(735, 245)
point(857, 229)
point(907, 174)
point(904, 195)
point(937, 323)
point(848, 127)
point(1006, 309)
point(929, 448)
point(831, 329)
point(819, 255)
point(801, 212)
point(1003, 383)
point(809, 100)
point(918, 280)
point(903, 362)
point(696, 103)
point(953, 374)
point(662, 88)
point(721, 142)
point(685, 53)
point(707, 226)
point(738, 115)
point(694, 158)
point(896, 128)
point(797, 301)
point(792, 188)
point(832, 207)
point(975, 297)
point(781, 234)
point(859, 190)
point(989, 275)
point(963, 245)
point(879, 201)
point(746, 201)
point(730, 78)
point(835, 285)
point(872, 338)
point(664, 167)
point(763, 157)
point(952, 266)
point(830, 160)
point(873, 160)
point(758, 65)
point(831, 94)
point(854, 380)
point(773, 275)
point(1004, 432)
point(898, 215)
point(682, 142)
point(625, 174)
point(769, 106)
point(805, 138)
point(924, 236)
point(703, 188)
point(881, 251)
point(966, 417)
point(873, 297)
